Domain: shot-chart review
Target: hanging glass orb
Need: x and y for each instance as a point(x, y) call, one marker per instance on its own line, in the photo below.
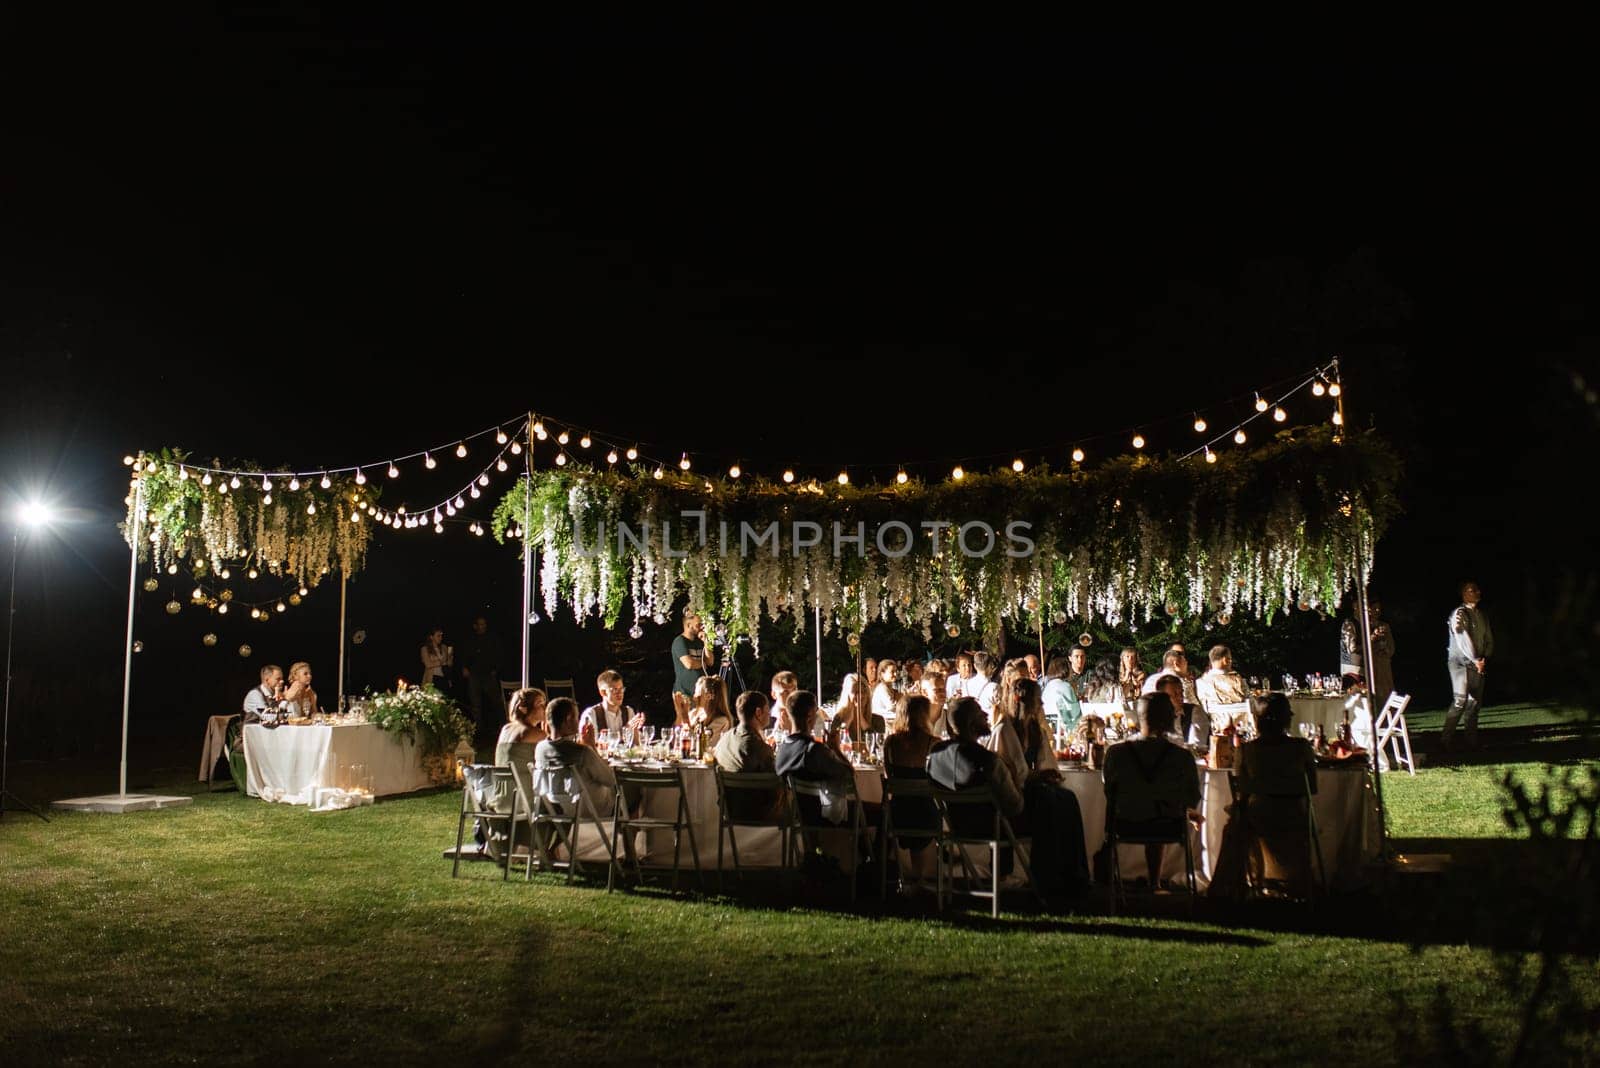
point(533, 618)
point(151, 585)
point(294, 598)
point(245, 650)
point(1223, 619)
point(209, 640)
point(173, 607)
point(636, 632)
point(1033, 604)
point(138, 646)
point(358, 638)
point(1172, 608)
point(1086, 639)
point(853, 639)
point(1060, 617)
point(953, 630)
point(660, 619)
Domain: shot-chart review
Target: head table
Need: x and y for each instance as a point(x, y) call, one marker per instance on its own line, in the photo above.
point(289, 764)
point(1345, 804)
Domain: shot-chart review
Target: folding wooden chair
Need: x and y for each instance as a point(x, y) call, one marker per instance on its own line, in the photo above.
point(904, 788)
point(1115, 836)
point(799, 788)
point(1390, 730)
point(554, 688)
point(483, 786)
point(556, 813)
point(755, 784)
point(624, 824)
point(1241, 810)
point(954, 806)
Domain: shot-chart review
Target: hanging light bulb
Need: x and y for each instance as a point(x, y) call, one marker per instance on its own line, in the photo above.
point(361, 477)
point(183, 474)
point(901, 477)
point(233, 483)
point(1138, 441)
point(683, 462)
point(461, 451)
point(253, 572)
point(1016, 465)
point(255, 613)
point(636, 632)
point(222, 609)
point(1077, 456)
point(483, 479)
point(428, 461)
point(844, 478)
point(206, 481)
point(611, 457)
point(294, 484)
point(475, 493)
point(585, 441)
point(1211, 457)
point(563, 437)
point(438, 528)
point(633, 452)
point(1279, 415)
point(958, 474)
point(561, 459)
point(459, 502)
point(225, 574)
point(266, 484)
point(172, 569)
point(501, 465)
point(788, 476)
point(1238, 437)
point(311, 509)
point(660, 474)
point(355, 517)
point(734, 472)
point(326, 482)
point(499, 437)
point(1318, 388)
point(198, 594)
point(1334, 389)
point(127, 461)
point(303, 591)
point(282, 607)
point(266, 498)
point(538, 429)
point(1261, 403)
point(222, 488)
point(1199, 425)
point(152, 466)
point(1338, 420)
point(516, 448)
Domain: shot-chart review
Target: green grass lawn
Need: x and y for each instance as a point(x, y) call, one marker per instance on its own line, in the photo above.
point(240, 932)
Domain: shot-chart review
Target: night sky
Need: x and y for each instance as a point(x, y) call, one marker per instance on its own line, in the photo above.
point(319, 243)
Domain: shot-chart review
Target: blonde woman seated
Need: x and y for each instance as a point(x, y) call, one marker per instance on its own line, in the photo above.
point(525, 728)
point(1275, 773)
point(300, 699)
point(708, 710)
point(934, 686)
point(853, 714)
point(1021, 739)
point(905, 756)
point(886, 690)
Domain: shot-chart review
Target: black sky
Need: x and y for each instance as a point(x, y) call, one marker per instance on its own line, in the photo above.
point(317, 240)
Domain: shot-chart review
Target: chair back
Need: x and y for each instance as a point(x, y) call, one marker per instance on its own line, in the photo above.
point(963, 808)
point(554, 688)
point(767, 783)
point(894, 786)
point(650, 779)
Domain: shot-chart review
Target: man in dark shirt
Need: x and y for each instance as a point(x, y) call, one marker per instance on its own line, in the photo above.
point(481, 661)
point(808, 760)
point(689, 657)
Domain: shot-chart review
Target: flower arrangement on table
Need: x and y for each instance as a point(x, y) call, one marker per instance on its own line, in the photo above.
point(428, 718)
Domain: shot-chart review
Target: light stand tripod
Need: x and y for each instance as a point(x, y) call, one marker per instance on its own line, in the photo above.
point(5, 734)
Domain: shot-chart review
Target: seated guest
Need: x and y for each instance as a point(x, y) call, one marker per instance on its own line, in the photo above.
point(1221, 685)
point(886, 690)
point(1191, 725)
point(1152, 782)
point(1032, 662)
point(525, 728)
point(609, 713)
point(784, 683)
point(263, 699)
point(911, 672)
point(1130, 676)
point(1061, 705)
point(562, 751)
point(1174, 662)
point(1078, 672)
point(1020, 737)
point(852, 713)
point(299, 699)
point(1274, 774)
point(905, 756)
point(709, 709)
point(981, 686)
point(963, 762)
point(955, 683)
point(803, 757)
point(745, 749)
point(933, 688)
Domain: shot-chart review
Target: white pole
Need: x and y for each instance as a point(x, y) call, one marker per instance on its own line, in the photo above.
point(127, 658)
point(527, 578)
point(343, 586)
point(817, 626)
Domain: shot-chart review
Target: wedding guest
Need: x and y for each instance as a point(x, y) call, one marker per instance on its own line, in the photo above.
point(562, 750)
point(745, 749)
point(870, 670)
point(709, 709)
point(911, 675)
point(525, 728)
point(690, 659)
point(1032, 660)
point(962, 762)
point(1274, 774)
point(905, 756)
point(853, 714)
point(609, 713)
point(803, 757)
point(1012, 673)
point(299, 699)
point(979, 685)
point(1078, 671)
point(1188, 676)
point(1470, 644)
point(264, 698)
point(1175, 662)
point(1130, 676)
point(934, 689)
point(438, 659)
point(784, 683)
point(1061, 703)
point(1152, 782)
point(481, 661)
point(1352, 652)
point(1192, 722)
point(1221, 685)
point(886, 690)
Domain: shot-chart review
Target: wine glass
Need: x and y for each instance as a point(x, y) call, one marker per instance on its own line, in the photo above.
point(648, 733)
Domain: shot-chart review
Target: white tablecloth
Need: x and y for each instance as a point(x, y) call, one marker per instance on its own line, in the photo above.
point(1327, 712)
point(288, 764)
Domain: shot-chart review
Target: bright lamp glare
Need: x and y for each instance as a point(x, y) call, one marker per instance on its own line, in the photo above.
point(35, 514)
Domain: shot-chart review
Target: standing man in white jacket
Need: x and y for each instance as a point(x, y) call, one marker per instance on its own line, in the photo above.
point(1470, 645)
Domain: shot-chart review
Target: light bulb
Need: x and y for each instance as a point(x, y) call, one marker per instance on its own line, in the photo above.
point(538, 429)
point(1338, 420)
point(225, 574)
point(475, 493)
point(253, 572)
point(198, 594)
point(561, 460)
point(183, 474)
point(683, 462)
point(428, 461)
point(355, 517)
point(659, 473)
point(734, 472)
point(499, 437)
point(1279, 415)
point(1016, 465)
point(361, 477)
point(255, 613)
point(1138, 441)
point(294, 484)
point(1077, 456)
point(1238, 437)
point(633, 452)
point(1211, 457)
point(516, 448)
point(585, 441)
point(958, 474)
point(459, 502)
point(483, 479)
point(266, 484)
point(438, 528)
point(611, 457)
point(901, 477)
point(206, 481)
point(127, 461)
point(151, 466)
point(461, 451)
point(311, 509)
point(304, 591)
point(501, 465)
point(1318, 388)
point(563, 437)
point(1199, 425)
point(326, 481)
point(1261, 403)
point(844, 478)
point(266, 498)
point(282, 607)
point(233, 483)
point(788, 476)
point(1334, 389)
point(636, 632)
point(222, 609)
point(222, 487)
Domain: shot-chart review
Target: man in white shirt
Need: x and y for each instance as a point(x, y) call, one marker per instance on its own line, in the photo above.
point(562, 751)
point(264, 698)
point(1221, 685)
point(609, 713)
point(980, 686)
point(956, 684)
point(1174, 662)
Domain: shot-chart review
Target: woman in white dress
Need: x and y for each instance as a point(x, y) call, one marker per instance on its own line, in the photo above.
point(437, 660)
point(300, 699)
point(886, 691)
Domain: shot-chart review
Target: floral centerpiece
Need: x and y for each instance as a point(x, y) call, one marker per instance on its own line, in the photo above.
point(428, 718)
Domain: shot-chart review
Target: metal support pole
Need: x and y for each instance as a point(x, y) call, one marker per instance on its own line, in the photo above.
point(127, 654)
point(344, 585)
point(817, 626)
point(527, 556)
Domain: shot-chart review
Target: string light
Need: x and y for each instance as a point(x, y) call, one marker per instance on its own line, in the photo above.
point(538, 429)
point(282, 607)
point(326, 483)
point(428, 461)
point(958, 474)
point(1016, 465)
point(222, 488)
point(1077, 456)
point(253, 572)
point(1239, 436)
point(459, 502)
point(1138, 441)
point(206, 481)
point(660, 474)
point(1211, 457)
point(1279, 415)
point(294, 484)
point(901, 477)
point(633, 452)
point(266, 484)
point(183, 474)
point(499, 437)
point(394, 472)
point(584, 442)
point(611, 457)
point(1261, 403)
point(266, 498)
point(501, 465)
point(311, 509)
point(127, 461)
point(561, 459)
point(1334, 389)
point(483, 479)
point(461, 451)
point(788, 476)
point(844, 478)
point(361, 477)
point(516, 448)
point(683, 462)
point(1318, 388)
point(733, 472)
point(563, 437)
point(1199, 424)
point(1338, 420)
point(475, 493)
point(233, 483)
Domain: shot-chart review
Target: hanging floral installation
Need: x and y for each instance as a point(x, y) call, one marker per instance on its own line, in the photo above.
point(1291, 523)
point(194, 520)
